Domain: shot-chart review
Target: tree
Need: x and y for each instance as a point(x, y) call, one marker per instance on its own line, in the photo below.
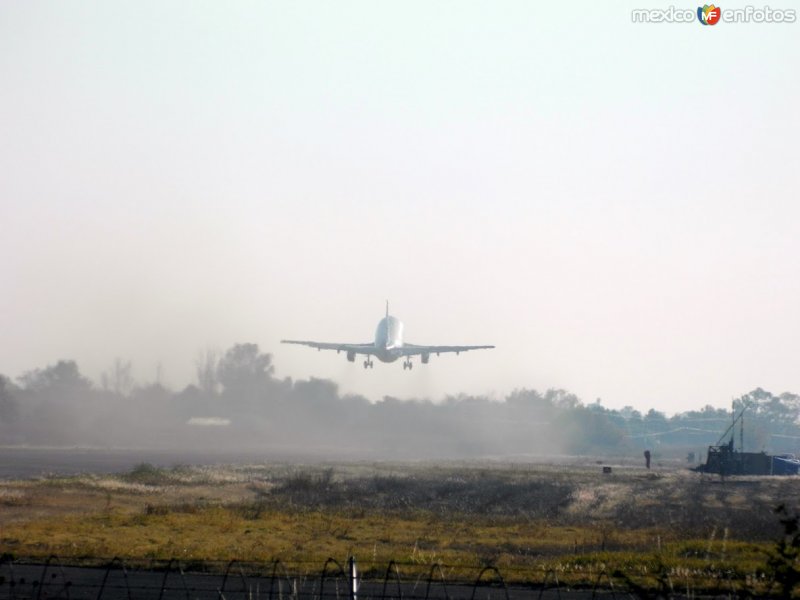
point(8, 405)
point(244, 369)
point(630, 413)
point(562, 399)
point(586, 430)
point(62, 376)
point(207, 365)
point(118, 378)
point(792, 404)
point(783, 409)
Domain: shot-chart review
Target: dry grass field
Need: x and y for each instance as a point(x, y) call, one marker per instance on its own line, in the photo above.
point(522, 518)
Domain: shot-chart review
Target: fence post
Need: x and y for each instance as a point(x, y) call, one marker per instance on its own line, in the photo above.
point(353, 575)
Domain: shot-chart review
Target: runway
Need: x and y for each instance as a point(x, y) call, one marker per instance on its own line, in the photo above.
point(25, 463)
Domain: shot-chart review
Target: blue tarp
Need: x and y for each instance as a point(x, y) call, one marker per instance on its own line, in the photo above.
point(785, 466)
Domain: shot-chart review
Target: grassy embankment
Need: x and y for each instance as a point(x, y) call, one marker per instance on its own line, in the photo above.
point(525, 520)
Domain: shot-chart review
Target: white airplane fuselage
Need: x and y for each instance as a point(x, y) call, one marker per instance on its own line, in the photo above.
point(389, 339)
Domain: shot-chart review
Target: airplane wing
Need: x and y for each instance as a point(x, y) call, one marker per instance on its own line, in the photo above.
point(357, 348)
point(413, 349)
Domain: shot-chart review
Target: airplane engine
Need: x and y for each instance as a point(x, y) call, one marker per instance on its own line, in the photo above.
point(351, 356)
point(425, 358)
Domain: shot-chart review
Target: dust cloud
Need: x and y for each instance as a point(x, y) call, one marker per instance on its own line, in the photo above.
point(238, 404)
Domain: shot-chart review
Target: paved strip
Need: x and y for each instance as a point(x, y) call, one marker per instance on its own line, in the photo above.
point(21, 582)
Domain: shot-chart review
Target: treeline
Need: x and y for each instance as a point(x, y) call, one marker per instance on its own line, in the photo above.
point(237, 404)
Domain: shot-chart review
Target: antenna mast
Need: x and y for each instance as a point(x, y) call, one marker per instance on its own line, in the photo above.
point(741, 432)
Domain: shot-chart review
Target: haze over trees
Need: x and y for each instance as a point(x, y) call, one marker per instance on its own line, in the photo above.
point(237, 404)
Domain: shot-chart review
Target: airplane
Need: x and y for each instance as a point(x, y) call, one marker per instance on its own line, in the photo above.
point(388, 346)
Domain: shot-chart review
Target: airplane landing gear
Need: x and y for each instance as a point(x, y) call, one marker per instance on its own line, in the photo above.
point(368, 364)
point(408, 365)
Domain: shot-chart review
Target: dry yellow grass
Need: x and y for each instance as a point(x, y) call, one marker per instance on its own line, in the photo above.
point(636, 521)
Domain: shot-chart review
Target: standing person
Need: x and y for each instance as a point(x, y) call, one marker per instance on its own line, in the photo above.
point(647, 458)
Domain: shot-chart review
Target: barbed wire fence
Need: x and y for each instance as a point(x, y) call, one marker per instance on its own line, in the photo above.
point(235, 580)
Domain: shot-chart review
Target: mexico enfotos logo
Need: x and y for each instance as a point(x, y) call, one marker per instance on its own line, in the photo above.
point(708, 14)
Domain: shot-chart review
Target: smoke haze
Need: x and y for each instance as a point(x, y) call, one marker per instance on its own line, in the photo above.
point(238, 405)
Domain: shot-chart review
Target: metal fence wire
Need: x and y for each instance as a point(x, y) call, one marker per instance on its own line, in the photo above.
point(117, 579)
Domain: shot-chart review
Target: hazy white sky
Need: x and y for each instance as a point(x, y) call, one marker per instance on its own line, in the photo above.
point(614, 205)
